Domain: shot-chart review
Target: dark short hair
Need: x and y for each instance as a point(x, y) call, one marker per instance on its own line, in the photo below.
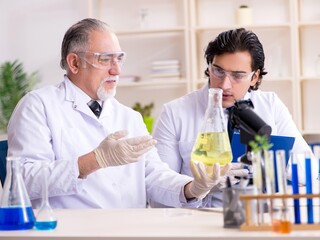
point(76, 39)
point(238, 40)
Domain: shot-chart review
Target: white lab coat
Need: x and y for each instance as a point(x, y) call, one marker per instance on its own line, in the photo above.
point(55, 123)
point(178, 124)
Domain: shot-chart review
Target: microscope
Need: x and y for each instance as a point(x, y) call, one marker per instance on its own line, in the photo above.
point(249, 124)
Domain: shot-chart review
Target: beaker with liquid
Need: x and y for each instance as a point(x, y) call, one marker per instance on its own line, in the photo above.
point(45, 219)
point(212, 144)
point(15, 207)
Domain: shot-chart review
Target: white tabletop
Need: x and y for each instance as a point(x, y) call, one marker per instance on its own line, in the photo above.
point(168, 223)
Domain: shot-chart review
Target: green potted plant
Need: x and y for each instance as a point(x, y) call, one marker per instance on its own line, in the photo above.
point(146, 114)
point(262, 164)
point(14, 84)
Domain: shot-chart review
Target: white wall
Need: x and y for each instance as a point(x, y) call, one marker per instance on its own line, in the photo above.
point(32, 31)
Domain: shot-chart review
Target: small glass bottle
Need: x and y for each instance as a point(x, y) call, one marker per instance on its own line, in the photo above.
point(15, 207)
point(45, 219)
point(244, 15)
point(212, 144)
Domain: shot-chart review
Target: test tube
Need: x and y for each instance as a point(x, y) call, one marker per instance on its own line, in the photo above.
point(282, 222)
point(257, 182)
point(270, 178)
point(316, 150)
point(295, 187)
point(281, 171)
point(309, 187)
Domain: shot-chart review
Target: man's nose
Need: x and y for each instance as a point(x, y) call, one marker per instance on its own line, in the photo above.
point(226, 82)
point(115, 68)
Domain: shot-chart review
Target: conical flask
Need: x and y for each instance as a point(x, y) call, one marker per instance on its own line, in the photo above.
point(212, 144)
point(45, 219)
point(15, 207)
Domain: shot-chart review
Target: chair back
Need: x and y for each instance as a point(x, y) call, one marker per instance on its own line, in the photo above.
point(3, 156)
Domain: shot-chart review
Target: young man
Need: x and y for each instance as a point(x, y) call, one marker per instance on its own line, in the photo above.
point(101, 153)
point(236, 65)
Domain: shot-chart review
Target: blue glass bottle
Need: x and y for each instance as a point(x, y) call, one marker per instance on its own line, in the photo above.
point(15, 207)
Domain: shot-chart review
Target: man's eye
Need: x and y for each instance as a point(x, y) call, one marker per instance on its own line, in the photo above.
point(104, 59)
point(120, 58)
point(237, 76)
point(219, 72)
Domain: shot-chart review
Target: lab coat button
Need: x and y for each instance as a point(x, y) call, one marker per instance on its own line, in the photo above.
point(75, 106)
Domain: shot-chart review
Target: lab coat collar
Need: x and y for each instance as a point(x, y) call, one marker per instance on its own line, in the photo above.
point(80, 100)
point(247, 96)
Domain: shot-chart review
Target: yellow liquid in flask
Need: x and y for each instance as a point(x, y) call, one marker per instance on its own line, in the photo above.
point(211, 148)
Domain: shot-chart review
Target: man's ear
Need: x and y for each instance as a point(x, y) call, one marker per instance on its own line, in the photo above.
point(73, 62)
point(255, 77)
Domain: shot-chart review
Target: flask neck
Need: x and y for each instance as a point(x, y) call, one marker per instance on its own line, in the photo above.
point(45, 176)
point(13, 176)
point(214, 107)
point(214, 116)
point(215, 98)
point(13, 165)
point(14, 191)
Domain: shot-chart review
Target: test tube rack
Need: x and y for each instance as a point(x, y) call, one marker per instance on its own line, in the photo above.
point(249, 226)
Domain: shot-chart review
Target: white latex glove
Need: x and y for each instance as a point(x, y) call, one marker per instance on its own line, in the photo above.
point(236, 170)
point(205, 178)
point(115, 151)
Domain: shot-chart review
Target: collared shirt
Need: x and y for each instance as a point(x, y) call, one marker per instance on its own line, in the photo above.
point(55, 123)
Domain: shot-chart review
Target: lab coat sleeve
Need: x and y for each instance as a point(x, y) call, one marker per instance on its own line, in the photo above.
point(30, 137)
point(165, 187)
point(168, 150)
point(167, 142)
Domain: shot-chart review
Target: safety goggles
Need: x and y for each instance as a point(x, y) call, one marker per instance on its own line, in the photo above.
point(234, 76)
point(103, 60)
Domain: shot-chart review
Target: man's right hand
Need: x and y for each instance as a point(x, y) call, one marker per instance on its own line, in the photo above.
point(115, 151)
point(205, 178)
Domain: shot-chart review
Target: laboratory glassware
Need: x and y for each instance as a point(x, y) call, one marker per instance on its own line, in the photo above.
point(212, 144)
point(45, 219)
point(15, 208)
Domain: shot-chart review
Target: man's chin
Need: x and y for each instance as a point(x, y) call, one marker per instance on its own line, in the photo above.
point(105, 95)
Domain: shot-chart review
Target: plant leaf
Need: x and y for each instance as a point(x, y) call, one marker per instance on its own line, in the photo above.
point(14, 84)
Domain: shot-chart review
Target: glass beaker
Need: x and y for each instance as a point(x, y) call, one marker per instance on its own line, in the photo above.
point(15, 208)
point(45, 219)
point(212, 144)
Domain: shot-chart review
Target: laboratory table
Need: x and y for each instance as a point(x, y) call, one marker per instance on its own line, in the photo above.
point(161, 223)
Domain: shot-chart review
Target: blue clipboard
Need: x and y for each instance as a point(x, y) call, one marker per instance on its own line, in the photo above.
point(279, 143)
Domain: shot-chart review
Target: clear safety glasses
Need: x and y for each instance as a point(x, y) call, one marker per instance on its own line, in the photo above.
point(103, 60)
point(234, 76)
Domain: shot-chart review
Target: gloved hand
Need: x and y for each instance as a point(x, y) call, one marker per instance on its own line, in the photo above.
point(236, 170)
point(114, 150)
point(205, 178)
